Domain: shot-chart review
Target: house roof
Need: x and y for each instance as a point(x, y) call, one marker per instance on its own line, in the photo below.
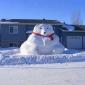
point(68, 27)
point(29, 21)
point(80, 27)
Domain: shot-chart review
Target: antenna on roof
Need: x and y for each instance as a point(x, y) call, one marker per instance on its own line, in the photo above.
point(44, 19)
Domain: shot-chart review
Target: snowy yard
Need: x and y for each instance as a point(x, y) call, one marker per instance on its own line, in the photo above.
point(61, 69)
point(45, 74)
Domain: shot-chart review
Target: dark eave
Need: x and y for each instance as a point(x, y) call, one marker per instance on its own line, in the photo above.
point(29, 21)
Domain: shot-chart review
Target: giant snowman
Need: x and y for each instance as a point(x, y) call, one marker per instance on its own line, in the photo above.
point(42, 41)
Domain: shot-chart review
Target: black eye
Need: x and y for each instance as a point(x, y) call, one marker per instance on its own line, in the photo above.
point(47, 28)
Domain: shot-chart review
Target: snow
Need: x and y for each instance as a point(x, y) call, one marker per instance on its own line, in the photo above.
point(61, 69)
point(11, 56)
point(69, 27)
point(29, 31)
point(42, 37)
point(44, 74)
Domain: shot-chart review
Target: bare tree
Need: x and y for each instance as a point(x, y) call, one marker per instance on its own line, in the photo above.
point(76, 18)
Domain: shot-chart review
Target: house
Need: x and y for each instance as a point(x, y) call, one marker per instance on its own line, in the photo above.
point(74, 39)
point(14, 32)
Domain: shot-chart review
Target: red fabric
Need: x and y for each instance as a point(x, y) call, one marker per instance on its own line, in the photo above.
point(49, 36)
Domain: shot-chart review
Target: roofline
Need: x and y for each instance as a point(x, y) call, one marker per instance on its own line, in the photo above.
point(29, 21)
point(18, 23)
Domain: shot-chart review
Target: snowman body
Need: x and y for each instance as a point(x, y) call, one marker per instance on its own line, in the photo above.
point(42, 41)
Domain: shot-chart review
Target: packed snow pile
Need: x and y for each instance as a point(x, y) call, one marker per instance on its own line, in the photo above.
point(11, 56)
point(42, 37)
point(69, 27)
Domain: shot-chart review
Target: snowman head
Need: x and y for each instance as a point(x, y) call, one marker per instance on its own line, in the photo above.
point(43, 29)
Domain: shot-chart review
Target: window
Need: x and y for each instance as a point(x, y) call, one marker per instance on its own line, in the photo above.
point(13, 29)
point(13, 45)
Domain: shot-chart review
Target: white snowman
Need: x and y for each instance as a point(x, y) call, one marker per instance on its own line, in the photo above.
point(42, 41)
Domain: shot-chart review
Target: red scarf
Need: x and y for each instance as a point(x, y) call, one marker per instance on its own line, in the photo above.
point(48, 36)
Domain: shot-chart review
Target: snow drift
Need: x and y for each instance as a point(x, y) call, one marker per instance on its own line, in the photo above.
point(10, 56)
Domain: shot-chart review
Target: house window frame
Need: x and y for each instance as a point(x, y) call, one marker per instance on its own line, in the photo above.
point(13, 30)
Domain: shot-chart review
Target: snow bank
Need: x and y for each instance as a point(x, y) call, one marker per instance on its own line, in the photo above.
point(69, 27)
point(10, 56)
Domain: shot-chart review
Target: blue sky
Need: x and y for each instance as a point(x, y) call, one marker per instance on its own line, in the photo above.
point(38, 9)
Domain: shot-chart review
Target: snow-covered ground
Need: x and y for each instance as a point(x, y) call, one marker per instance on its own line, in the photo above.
point(44, 74)
point(11, 56)
point(61, 69)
